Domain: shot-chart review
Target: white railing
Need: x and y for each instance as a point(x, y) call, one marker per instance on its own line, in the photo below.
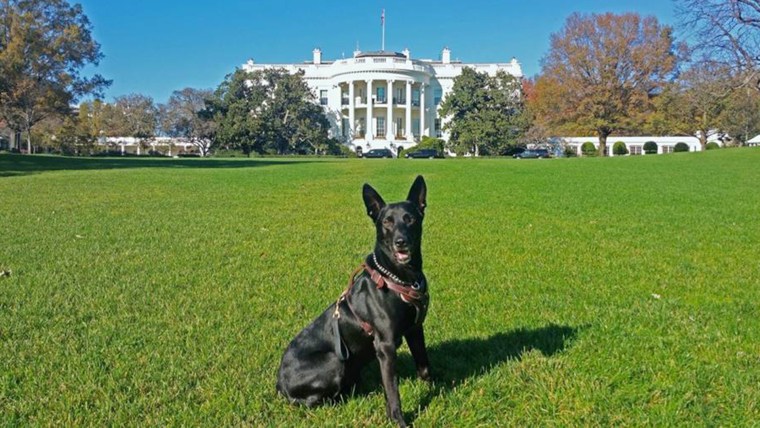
point(388, 63)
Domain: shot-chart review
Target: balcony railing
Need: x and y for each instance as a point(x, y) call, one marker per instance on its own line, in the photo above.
point(394, 63)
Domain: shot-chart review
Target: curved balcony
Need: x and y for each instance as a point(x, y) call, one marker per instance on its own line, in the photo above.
point(380, 64)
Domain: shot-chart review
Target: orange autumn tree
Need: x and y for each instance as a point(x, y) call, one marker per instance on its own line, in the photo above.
point(601, 73)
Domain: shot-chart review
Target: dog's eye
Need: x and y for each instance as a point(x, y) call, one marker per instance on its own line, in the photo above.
point(388, 222)
point(408, 219)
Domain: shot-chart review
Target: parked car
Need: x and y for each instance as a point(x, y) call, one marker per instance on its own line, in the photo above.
point(512, 151)
point(378, 153)
point(533, 154)
point(424, 153)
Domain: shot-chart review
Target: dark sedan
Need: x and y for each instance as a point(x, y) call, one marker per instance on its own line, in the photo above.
point(533, 154)
point(424, 153)
point(378, 153)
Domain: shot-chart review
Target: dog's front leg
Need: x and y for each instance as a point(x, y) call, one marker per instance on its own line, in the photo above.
point(386, 355)
point(415, 338)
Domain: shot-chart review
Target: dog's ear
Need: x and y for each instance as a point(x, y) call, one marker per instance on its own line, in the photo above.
point(418, 194)
point(372, 201)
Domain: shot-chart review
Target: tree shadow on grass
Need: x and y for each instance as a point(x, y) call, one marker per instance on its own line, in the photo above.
point(452, 362)
point(16, 165)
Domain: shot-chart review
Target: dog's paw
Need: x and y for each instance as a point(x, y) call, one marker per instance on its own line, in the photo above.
point(424, 374)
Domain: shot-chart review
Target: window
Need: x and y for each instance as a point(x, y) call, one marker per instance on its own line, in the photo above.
point(437, 95)
point(399, 98)
point(381, 94)
point(416, 97)
point(635, 150)
point(323, 97)
point(399, 126)
point(344, 98)
point(667, 149)
point(345, 128)
point(438, 132)
point(380, 126)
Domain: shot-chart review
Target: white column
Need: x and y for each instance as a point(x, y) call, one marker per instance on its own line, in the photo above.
point(389, 115)
point(351, 110)
point(423, 131)
point(370, 130)
point(408, 123)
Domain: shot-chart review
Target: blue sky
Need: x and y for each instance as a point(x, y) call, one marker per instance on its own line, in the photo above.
point(154, 47)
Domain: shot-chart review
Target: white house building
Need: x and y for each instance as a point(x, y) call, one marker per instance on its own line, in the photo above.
point(384, 99)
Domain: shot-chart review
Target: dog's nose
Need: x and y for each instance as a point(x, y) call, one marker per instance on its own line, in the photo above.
point(400, 242)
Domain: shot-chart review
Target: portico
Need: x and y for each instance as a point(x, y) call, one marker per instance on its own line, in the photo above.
point(389, 109)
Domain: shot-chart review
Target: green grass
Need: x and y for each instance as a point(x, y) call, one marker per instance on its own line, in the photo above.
point(566, 292)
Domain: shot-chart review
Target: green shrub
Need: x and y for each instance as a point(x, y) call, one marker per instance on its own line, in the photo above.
point(650, 148)
point(346, 151)
point(712, 145)
point(425, 143)
point(681, 147)
point(588, 149)
point(619, 148)
point(570, 152)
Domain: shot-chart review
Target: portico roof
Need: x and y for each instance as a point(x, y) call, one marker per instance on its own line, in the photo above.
point(381, 54)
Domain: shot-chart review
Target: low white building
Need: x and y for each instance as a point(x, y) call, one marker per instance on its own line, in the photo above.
point(635, 145)
point(168, 146)
point(384, 99)
point(754, 141)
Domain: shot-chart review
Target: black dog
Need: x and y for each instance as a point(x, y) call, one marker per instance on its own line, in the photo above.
point(386, 300)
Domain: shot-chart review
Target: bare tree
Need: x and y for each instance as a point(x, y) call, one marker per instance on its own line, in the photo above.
point(184, 116)
point(726, 32)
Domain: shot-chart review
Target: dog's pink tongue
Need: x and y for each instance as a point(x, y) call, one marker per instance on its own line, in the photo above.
point(402, 256)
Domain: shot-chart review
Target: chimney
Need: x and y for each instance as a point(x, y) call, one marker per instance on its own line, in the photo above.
point(446, 56)
point(317, 56)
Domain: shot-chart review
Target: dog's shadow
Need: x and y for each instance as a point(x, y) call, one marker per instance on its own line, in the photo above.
point(454, 361)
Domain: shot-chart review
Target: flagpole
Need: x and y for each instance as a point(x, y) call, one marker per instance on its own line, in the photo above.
point(382, 21)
